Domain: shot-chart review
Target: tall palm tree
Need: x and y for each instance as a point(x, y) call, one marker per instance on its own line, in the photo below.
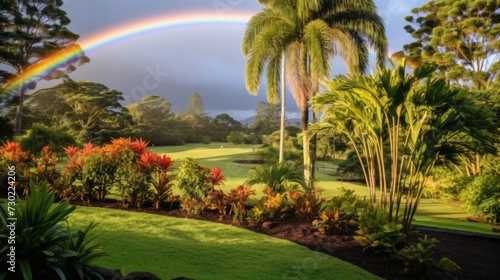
point(311, 33)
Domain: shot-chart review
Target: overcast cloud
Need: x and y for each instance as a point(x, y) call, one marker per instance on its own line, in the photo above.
point(197, 58)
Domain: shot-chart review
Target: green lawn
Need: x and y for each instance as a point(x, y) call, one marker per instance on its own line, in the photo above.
point(173, 247)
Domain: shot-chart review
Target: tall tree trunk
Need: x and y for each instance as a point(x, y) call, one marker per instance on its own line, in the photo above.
point(312, 156)
point(305, 141)
point(282, 123)
point(19, 111)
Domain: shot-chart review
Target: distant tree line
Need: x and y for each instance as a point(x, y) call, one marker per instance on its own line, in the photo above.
point(76, 112)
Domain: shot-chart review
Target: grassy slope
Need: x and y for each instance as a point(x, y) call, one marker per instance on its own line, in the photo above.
point(173, 247)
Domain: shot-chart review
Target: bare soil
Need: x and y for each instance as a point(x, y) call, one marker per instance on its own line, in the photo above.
point(478, 256)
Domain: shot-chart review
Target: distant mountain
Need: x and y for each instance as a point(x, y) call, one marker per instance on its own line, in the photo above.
point(248, 121)
point(290, 122)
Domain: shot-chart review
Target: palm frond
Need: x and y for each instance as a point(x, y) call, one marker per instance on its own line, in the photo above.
point(317, 41)
point(273, 72)
point(297, 77)
point(367, 24)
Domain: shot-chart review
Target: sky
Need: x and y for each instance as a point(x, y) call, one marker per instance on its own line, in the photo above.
point(173, 61)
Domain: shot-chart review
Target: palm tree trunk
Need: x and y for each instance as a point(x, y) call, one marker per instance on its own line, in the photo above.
point(282, 123)
point(305, 141)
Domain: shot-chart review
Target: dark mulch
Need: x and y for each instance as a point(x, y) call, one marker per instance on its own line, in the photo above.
point(478, 256)
point(249, 161)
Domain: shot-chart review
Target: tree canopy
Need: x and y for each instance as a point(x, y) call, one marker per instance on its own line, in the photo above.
point(460, 37)
point(31, 30)
point(91, 110)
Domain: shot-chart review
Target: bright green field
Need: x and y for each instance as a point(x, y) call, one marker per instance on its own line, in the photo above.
point(173, 247)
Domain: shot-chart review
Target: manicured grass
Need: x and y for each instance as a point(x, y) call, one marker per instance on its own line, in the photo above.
point(172, 247)
point(223, 155)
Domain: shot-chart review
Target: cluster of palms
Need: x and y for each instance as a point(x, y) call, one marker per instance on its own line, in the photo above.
point(307, 34)
point(400, 125)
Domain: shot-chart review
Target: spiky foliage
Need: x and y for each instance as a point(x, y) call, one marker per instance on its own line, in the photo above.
point(44, 247)
point(311, 32)
point(401, 125)
point(279, 177)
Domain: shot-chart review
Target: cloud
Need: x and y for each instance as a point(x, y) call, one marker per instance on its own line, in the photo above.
point(199, 58)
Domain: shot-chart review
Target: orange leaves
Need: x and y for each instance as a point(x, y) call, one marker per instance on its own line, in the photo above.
point(147, 160)
point(238, 197)
point(152, 161)
point(216, 176)
point(11, 147)
point(89, 149)
point(13, 152)
point(306, 205)
point(46, 150)
point(139, 146)
point(71, 151)
point(241, 193)
point(121, 142)
point(165, 162)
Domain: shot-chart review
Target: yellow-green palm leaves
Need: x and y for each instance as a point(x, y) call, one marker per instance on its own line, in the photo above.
point(311, 33)
point(401, 125)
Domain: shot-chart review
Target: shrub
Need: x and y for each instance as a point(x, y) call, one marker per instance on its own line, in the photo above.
point(419, 260)
point(154, 169)
point(194, 206)
point(482, 197)
point(340, 211)
point(444, 183)
point(237, 198)
point(12, 154)
point(273, 206)
point(280, 177)
point(236, 137)
point(206, 140)
point(306, 205)
point(376, 232)
point(194, 180)
point(40, 136)
point(45, 249)
point(46, 170)
point(218, 200)
point(197, 181)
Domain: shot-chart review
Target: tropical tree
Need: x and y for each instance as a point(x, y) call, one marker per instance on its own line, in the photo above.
point(223, 125)
point(46, 107)
point(6, 129)
point(32, 30)
point(195, 105)
point(195, 118)
point(461, 39)
point(311, 33)
point(94, 112)
point(403, 125)
point(267, 118)
point(154, 121)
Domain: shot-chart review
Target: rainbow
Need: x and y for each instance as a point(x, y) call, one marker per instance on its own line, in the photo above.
point(114, 34)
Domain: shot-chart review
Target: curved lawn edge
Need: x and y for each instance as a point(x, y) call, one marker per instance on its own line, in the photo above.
point(172, 247)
